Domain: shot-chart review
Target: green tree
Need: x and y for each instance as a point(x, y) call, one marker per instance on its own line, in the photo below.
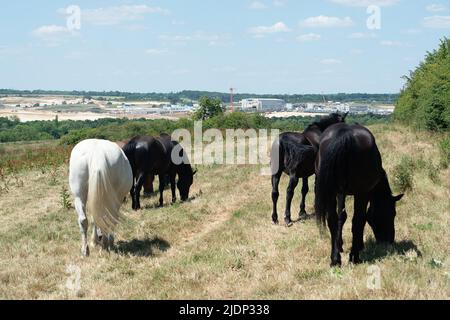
point(425, 100)
point(209, 108)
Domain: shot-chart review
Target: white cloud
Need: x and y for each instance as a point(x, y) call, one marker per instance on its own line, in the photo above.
point(412, 31)
point(330, 61)
point(115, 15)
point(366, 3)
point(212, 39)
point(362, 35)
point(226, 69)
point(389, 43)
point(309, 37)
point(279, 3)
point(436, 8)
point(180, 72)
point(356, 52)
point(53, 35)
point(278, 27)
point(327, 22)
point(178, 22)
point(437, 22)
point(51, 30)
point(156, 51)
point(258, 5)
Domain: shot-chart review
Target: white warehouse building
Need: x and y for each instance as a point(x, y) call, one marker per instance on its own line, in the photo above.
point(263, 105)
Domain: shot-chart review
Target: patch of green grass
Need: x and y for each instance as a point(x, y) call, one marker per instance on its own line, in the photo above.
point(436, 263)
point(424, 227)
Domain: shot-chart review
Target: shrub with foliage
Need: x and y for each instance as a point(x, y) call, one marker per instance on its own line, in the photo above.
point(209, 108)
point(425, 100)
point(404, 174)
point(71, 132)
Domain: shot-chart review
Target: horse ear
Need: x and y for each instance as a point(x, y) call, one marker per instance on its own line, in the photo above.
point(345, 116)
point(398, 198)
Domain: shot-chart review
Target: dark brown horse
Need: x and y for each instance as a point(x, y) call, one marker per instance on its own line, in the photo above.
point(295, 154)
point(151, 156)
point(349, 163)
point(148, 180)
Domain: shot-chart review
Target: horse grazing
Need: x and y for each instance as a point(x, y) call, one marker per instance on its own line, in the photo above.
point(349, 163)
point(151, 156)
point(295, 154)
point(100, 177)
point(148, 180)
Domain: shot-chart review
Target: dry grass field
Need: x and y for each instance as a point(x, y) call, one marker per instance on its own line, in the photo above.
point(222, 245)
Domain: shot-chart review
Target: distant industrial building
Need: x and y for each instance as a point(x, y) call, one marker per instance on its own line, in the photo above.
point(359, 109)
point(263, 105)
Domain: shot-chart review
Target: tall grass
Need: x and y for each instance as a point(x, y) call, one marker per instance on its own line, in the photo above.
point(15, 157)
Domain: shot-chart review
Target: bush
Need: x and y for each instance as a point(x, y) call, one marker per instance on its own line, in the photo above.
point(404, 174)
point(209, 108)
point(425, 101)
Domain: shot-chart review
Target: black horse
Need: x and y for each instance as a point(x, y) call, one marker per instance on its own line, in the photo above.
point(349, 163)
point(151, 156)
point(295, 154)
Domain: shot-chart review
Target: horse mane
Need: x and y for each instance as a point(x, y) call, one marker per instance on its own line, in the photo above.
point(295, 154)
point(382, 189)
point(184, 169)
point(324, 122)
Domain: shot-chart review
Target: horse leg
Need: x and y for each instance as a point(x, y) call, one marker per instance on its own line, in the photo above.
point(148, 185)
point(305, 190)
point(341, 220)
point(83, 222)
point(332, 220)
point(96, 236)
point(358, 224)
point(162, 184)
point(107, 242)
point(275, 195)
point(293, 182)
point(173, 186)
point(137, 191)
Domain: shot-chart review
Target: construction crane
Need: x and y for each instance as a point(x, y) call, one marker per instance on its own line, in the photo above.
point(232, 91)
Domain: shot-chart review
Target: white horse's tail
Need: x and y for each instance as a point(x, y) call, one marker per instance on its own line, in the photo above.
point(103, 203)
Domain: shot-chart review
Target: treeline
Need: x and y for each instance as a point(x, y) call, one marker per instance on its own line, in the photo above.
point(71, 132)
point(187, 96)
point(424, 102)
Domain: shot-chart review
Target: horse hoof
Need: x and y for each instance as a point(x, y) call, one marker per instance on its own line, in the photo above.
point(302, 216)
point(289, 224)
point(336, 263)
point(85, 252)
point(355, 259)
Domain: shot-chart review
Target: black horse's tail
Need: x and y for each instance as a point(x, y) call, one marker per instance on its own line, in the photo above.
point(333, 170)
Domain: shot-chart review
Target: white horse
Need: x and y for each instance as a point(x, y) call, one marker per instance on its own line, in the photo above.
point(100, 178)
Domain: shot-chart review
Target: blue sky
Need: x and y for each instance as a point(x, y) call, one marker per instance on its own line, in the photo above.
point(264, 46)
